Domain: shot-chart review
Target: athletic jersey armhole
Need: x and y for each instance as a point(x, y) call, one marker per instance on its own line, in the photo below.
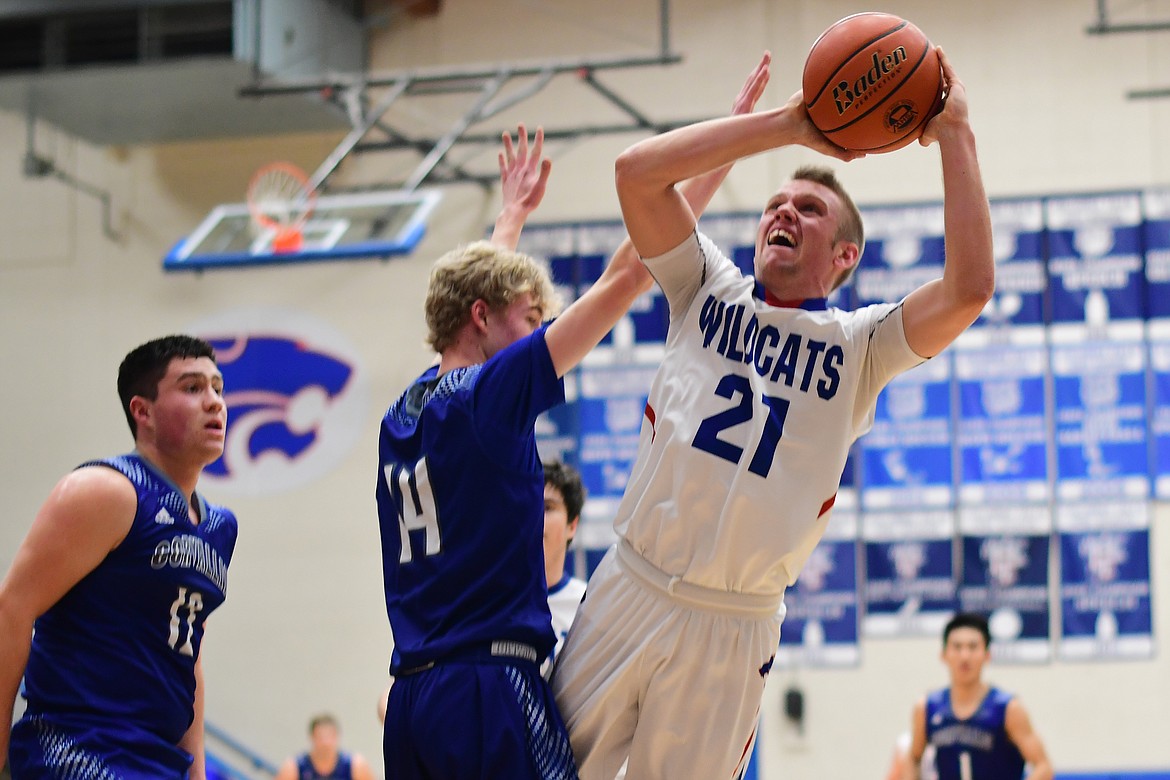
point(121, 465)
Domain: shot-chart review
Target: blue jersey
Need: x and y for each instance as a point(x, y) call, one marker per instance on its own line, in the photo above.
point(342, 770)
point(111, 670)
point(461, 507)
point(979, 741)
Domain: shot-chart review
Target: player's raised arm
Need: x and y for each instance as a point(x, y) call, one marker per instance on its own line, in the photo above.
point(587, 321)
point(935, 314)
point(523, 180)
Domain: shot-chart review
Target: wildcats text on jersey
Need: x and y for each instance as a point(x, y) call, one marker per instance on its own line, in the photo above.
point(799, 361)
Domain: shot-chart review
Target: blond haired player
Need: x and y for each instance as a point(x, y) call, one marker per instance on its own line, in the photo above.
point(466, 597)
point(748, 424)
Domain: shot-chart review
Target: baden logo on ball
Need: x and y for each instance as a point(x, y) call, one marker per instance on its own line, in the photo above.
point(871, 82)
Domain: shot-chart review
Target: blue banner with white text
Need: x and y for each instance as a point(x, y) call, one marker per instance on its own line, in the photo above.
point(1005, 577)
point(910, 582)
point(822, 617)
point(1105, 581)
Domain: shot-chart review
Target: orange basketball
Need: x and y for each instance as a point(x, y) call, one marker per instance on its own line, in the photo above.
point(871, 82)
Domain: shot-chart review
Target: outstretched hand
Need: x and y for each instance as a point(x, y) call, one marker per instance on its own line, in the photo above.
point(524, 176)
point(753, 88)
point(954, 110)
point(523, 179)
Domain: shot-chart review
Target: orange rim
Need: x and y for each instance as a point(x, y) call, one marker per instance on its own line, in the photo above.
point(280, 198)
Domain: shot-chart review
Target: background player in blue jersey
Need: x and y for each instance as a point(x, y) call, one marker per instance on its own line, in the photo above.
point(122, 565)
point(978, 732)
point(460, 496)
point(564, 498)
point(325, 760)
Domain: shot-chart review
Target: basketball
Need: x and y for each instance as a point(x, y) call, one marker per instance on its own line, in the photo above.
point(871, 82)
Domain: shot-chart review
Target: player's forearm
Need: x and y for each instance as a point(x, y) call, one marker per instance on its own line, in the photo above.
point(664, 160)
point(969, 272)
point(589, 318)
point(509, 225)
point(1042, 771)
point(192, 741)
point(15, 640)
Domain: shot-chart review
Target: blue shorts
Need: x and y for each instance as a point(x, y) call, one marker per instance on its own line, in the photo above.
point(465, 720)
point(68, 748)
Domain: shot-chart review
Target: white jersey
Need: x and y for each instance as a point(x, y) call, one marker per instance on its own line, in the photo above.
point(748, 424)
point(563, 600)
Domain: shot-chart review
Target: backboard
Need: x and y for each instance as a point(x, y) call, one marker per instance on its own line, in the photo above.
point(368, 224)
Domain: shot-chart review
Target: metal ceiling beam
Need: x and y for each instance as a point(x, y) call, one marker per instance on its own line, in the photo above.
point(450, 75)
point(565, 134)
point(484, 83)
point(1106, 27)
point(1148, 94)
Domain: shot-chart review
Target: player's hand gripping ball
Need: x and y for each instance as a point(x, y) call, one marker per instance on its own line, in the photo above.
point(871, 82)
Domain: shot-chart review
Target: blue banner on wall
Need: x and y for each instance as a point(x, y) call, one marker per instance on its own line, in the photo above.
point(903, 251)
point(1002, 426)
point(1005, 576)
point(1160, 418)
point(1105, 581)
point(1100, 409)
point(1015, 313)
point(1096, 279)
point(821, 624)
point(648, 317)
point(1156, 226)
point(907, 455)
point(910, 587)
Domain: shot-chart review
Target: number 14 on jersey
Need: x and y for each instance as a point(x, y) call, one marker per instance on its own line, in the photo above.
point(410, 489)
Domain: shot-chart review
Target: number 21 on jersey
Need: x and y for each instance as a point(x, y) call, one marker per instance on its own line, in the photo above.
point(410, 489)
point(738, 390)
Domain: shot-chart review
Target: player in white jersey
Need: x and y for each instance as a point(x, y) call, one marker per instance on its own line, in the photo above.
point(748, 423)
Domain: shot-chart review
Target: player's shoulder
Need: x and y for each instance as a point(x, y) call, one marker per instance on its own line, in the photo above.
point(868, 316)
point(95, 485)
point(1008, 703)
point(222, 519)
point(999, 695)
point(938, 698)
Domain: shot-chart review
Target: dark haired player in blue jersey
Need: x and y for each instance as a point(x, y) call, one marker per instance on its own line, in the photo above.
point(119, 571)
point(460, 496)
point(978, 732)
point(564, 498)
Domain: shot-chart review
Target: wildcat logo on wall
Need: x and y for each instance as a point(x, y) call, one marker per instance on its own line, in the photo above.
point(296, 396)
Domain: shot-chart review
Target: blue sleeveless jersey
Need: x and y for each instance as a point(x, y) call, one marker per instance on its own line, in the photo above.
point(342, 770)
point(461, 507)
point(110, 680)
point(979, 741)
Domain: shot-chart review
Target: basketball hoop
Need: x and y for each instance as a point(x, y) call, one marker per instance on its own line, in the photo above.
point(280, 201)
